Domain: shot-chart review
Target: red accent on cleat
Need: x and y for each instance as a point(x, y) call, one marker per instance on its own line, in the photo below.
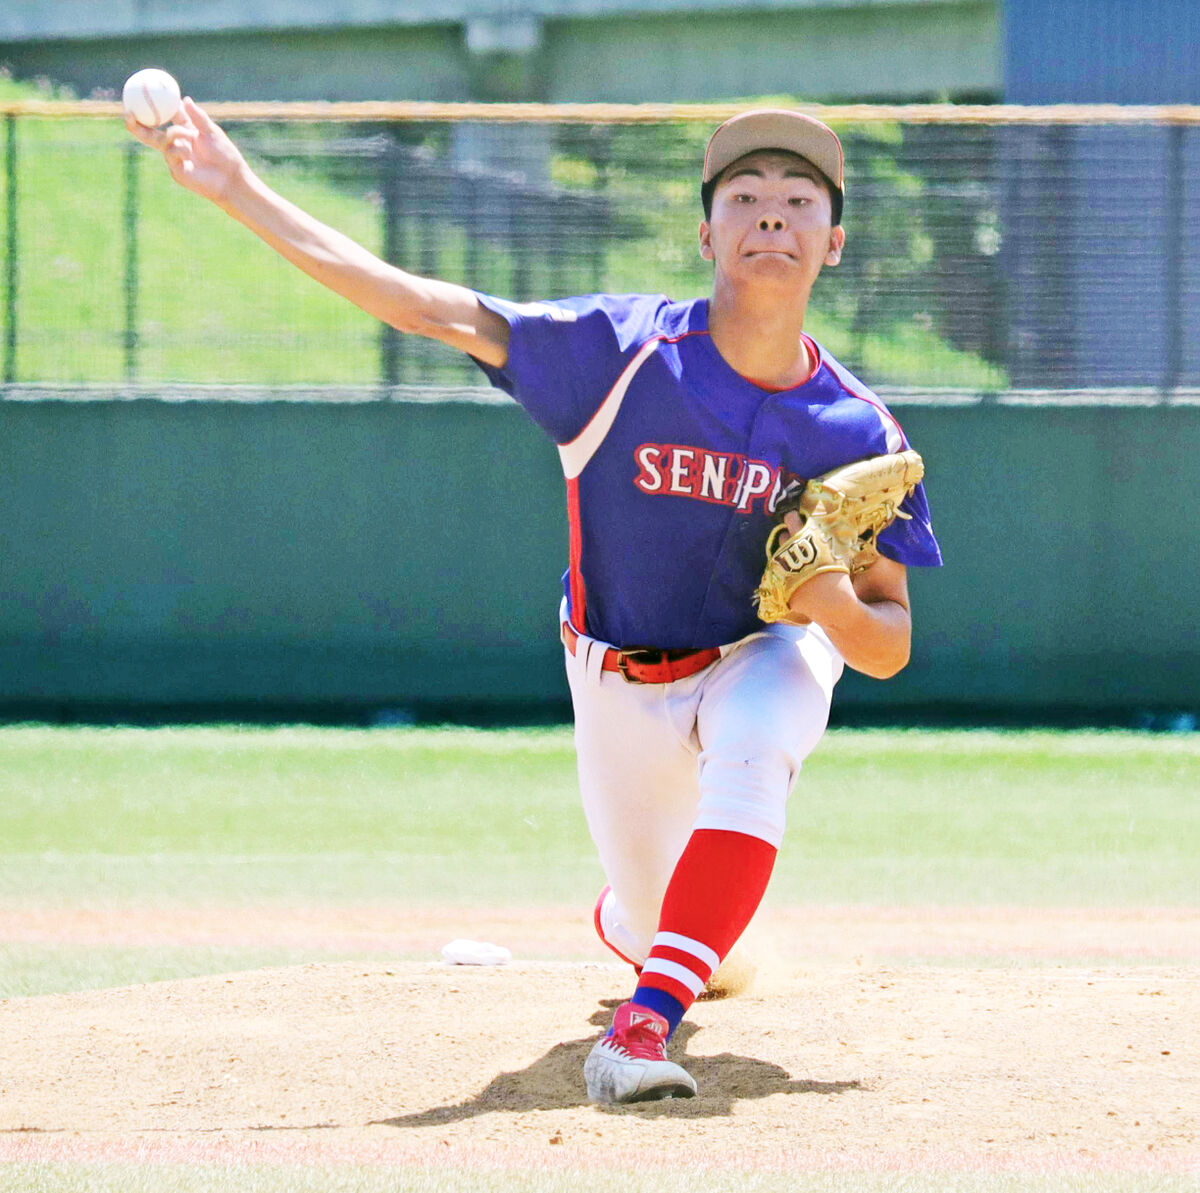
point(630, 1063)
point(639, 1031)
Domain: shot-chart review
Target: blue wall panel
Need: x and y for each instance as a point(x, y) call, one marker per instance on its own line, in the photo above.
point(1102, 51)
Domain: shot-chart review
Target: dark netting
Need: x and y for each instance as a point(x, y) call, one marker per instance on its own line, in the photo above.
point(980, 259)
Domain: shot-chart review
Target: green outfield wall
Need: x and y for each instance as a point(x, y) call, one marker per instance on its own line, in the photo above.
point(380, 553)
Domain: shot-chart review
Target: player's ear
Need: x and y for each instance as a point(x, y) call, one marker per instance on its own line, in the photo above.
point(706, 248)
point(837, 241)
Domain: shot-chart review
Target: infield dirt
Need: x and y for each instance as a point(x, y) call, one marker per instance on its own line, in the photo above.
point(841, 1059)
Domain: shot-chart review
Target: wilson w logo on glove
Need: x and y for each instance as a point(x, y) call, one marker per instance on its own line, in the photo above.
point(833, 525)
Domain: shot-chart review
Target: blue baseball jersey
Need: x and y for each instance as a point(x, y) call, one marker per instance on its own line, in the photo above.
point(674, 462)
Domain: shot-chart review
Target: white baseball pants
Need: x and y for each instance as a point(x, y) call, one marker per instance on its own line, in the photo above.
point(718, 750)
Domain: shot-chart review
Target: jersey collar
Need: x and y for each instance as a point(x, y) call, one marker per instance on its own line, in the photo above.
point(698, 322)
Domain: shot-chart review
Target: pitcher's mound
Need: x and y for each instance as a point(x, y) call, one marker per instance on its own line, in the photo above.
point(872, 1067)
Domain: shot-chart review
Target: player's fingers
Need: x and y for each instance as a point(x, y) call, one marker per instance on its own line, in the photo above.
point(792, 521)
point(198, 116)
point(177, 155)
point(182, 118)
point(180, 143)
point(156, 138)
point(178, 136)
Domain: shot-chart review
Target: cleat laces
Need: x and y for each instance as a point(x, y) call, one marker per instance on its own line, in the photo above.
point(641, 1038)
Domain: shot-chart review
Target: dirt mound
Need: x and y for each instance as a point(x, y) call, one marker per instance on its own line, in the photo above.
point(870, 1067)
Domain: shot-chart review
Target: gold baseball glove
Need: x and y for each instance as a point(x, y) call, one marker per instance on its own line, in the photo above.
point(840, 514)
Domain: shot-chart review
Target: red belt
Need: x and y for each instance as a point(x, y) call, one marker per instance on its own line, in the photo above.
point(649, 666)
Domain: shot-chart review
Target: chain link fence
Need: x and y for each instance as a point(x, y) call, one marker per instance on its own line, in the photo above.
point(992, 253)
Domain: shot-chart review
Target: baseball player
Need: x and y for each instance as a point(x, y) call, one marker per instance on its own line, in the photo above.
point(680, 427)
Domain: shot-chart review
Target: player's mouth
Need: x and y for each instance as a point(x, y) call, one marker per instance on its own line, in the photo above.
point(770, 253)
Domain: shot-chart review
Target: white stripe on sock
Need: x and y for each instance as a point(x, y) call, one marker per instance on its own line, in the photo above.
point(702, 953)
point(672, 969)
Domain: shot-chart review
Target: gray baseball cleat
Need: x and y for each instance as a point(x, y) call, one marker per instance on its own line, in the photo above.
point(630, 1064)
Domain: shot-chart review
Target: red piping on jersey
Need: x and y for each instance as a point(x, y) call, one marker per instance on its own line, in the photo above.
point(575, 586)
point(813, 355)
point(882, 409)
point(578, 594)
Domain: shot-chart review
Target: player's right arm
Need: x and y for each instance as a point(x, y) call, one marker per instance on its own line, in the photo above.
point(204, 160)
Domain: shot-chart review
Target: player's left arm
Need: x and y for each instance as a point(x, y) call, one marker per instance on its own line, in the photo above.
point(867, 616)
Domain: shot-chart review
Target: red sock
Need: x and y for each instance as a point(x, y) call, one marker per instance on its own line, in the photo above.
point(713, 894)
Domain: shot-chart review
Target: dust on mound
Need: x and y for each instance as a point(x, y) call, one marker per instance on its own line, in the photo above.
point(873, 1067)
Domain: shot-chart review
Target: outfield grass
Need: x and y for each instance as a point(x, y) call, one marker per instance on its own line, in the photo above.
point(288, 814)
point(456, 815)
point(250, 816)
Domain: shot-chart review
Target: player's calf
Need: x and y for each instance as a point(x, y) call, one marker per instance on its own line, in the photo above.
point(735, 975)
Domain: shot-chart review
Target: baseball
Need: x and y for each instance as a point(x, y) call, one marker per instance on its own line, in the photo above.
point(151, 97)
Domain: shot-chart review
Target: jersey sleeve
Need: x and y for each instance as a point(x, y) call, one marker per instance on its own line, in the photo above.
point(911, 541)
point(862, 427)
point(565, 355)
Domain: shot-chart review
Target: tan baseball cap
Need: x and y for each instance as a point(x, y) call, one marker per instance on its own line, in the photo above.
point(777, 128)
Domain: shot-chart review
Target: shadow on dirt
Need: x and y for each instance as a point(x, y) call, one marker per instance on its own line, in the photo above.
point(555, 1082)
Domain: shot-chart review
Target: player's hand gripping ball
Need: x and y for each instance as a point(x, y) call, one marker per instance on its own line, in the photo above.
point(834, 520)
point(151, 97)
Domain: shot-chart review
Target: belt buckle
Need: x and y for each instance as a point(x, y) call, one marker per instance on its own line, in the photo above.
point(623, 657)
point(639, 654)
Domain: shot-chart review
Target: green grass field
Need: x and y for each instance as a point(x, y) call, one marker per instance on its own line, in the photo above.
point(456, 814)
point(435, 816)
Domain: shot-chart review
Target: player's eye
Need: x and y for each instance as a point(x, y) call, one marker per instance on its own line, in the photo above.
point(742, 197)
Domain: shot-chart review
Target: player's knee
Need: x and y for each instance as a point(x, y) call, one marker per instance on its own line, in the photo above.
point(747, 793)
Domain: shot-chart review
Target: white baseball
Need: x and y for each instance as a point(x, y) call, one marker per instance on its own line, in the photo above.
point(151, 97)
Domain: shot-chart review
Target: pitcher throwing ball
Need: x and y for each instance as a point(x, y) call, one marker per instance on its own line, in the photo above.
point(691, 434)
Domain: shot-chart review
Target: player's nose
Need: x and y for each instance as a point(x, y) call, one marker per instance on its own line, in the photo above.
point(771, 223)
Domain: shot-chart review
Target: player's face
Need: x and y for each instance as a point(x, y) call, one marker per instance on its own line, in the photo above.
point(771, 222)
